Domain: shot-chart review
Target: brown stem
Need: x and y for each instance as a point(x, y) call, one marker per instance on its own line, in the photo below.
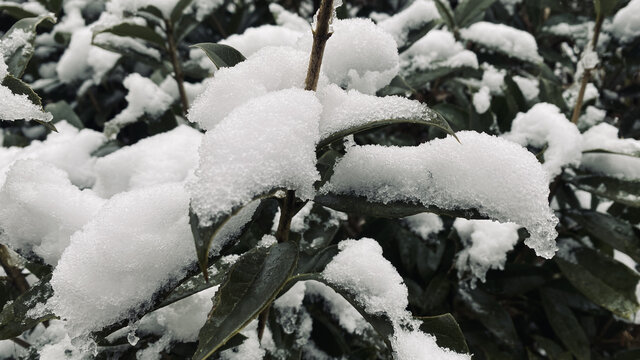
point(21, 342)
point(262, 322)
point(14, 273)
point(287, 211)
point(586, 76)
point(177, 70)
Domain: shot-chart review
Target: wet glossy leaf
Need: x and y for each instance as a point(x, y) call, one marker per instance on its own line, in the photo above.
point(446, 330)
point(221, 55)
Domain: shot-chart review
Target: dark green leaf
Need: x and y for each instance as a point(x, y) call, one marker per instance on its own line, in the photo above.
point(615, 232)
point(397, 86)
point(469, 11)
point(565, 324)
point(445, 14)
point(18, 87)
point(618, 190)
point(551, 92)
point(135, 31)
point(178, 10)
point(252, 284)
point(416, 34)
point(16, 11)
point(61, 110)
point(446, 330)
point(221, 55)
point(360, 205)
point(604, 151)
point(14, 319)
point(429, 118)
point(603, 280)
point(20, 55)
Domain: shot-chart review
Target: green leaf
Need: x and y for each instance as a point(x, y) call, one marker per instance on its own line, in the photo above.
point(592, 274)
point(178, 10)
point(394, 209)
point(416, 34)
point(221, 55)
point(429, 118)
point(613, 231)
point(470, 11)
point(61, 110)
point(446, 15)
point(20, 55)
point(251, 286)
point(551, 92)
point(565, 324)
point(135, 31)
point(622, 191)
point(14, 319)
point(604, 151)
point(446, 330)
point(604, 7)
point(19, 87)
point(16, 11)
point(397, 86)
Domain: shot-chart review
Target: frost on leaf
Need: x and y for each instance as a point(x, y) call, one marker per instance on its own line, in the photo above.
point(500, 179)
point(139, 242)
point(265, 144)
point(504, 39)
point(544, 125)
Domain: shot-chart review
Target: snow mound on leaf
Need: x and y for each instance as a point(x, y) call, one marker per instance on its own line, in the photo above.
point(505, 39)
point(265, 144)
point(254, 39)
point(500, 179)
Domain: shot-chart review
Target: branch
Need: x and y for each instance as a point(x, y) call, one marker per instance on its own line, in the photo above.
point(13, 271)
point(177, 70)
point(586, 76)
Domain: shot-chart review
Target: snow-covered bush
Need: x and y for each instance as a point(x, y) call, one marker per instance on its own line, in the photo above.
point(227, 179)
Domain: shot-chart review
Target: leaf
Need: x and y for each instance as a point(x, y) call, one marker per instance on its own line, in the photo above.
point(446, 330)
point(565, 325)
point(221, 55)
point(613, 231)
point(397, 86)
point(394, 209)
point(21, 53)
point(416, 34)
point(470, 11)
point(135, 31)
point(604, 151)
point(551, 92)
point(61, 110)
point(430, 118)
point(591, 273)
point(18, 87)
point(178, 10)
point(251, 286)
point(16, 11)
point(445, 14)
point(618, 190)
point(604, 7)
point(14, 319)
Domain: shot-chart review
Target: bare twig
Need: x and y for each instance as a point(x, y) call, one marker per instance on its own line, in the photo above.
point(586, 76)
point(177, 69)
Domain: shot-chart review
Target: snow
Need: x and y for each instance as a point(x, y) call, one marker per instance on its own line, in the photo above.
point(493, 78)
point(592, 116)
point(69, 149)
point(625, 25)
point(232, 87)
point(347, 316)
point(137, 243)
point(438, 48)
point(82, 60)
point(120, 6)
point(288, 19)
point(164, 158)
point(204, 8)
point(359, 55)
point(144, 97)
point(570, 95)
point(254, 39)
point(265, 144)
point(605, 137)
point(424, 224)
point(500, 179)
point(482, 100)
point(348, 109)
point(544, 124)
point(360, 268)
point(505, 39)
point(486, 246)
point(126, 44)
point(15, 39)
point(35, 190)
point(529, 87)
point(250, 349)
point(413, 17)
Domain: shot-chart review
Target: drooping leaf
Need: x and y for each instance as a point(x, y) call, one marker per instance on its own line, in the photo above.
point(618, 190)
point(221, 55)
point(618, 233)
point(603, 280)
point(446, 330)
point(252, 284)
point(565, 324)
point(430, 118)
point(14, 319)
point(395, 209)
point(470, 11)
point(135, 31)
point(61, 110)
point(22, 51)
point(18, 87)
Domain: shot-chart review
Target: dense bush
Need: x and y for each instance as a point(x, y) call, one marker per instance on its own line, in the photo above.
point(483, 154)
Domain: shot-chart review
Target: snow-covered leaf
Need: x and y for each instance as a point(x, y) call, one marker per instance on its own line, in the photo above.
point(179, 9)
point(18, 87)
point(15, 318)
point(135, 31)
point(221, 55)
point(469, 11)
point(252, 284)
point(18, 43)
point(622, 191)
point(61, 110)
